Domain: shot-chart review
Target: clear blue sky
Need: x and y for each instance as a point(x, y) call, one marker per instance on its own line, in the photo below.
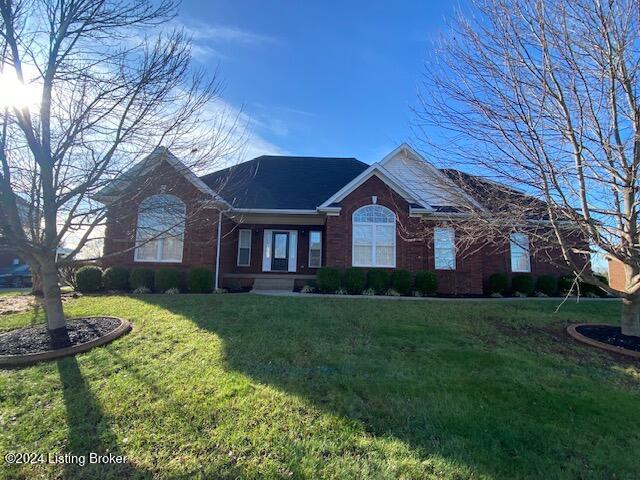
point(319, 78)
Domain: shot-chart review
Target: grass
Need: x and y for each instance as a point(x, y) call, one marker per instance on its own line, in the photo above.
point(242, 386)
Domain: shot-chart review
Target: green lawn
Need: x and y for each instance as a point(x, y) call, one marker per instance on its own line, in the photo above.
point(242, 386)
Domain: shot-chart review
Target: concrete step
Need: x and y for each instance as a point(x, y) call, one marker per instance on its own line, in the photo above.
point(273, 284)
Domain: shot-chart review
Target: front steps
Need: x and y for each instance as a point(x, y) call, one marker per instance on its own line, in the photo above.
point(276, 284)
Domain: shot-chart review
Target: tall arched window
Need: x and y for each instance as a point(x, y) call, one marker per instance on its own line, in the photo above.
point(160, 229)
point(374, 237)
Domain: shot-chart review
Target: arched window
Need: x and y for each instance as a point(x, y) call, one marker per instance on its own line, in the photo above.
point(160, 229)
point(374, 237)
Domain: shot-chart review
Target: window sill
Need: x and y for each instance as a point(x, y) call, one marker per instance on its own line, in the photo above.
point(157, 261)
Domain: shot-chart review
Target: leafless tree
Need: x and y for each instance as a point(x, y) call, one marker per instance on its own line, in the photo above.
point(112, 85)
point(542, 96)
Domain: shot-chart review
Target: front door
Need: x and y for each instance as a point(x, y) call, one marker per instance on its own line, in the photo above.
point(280, 251)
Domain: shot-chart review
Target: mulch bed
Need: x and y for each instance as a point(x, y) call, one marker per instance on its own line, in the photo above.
point(610, 335)
point(38, 339)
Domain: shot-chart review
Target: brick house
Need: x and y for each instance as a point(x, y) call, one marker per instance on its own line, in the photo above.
point(278, 219)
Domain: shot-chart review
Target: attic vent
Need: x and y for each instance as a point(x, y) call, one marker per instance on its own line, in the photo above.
point(163, 188)
point(374, 199)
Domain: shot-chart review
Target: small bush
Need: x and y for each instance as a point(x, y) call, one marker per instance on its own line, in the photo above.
point(354, 280)
point(416, 293)
point(498, 283)
point(392, 293)
point(115, 278)
point(522, 284)
point(426, 282)
point(547, 284)
point(401, 281)
point(378, 280)
point(172, 291)
point(200, 280)
point(167, 278)
point(141, 277)
point(592, 290)
point(328, 279)
point(142, 290)
point(308, 289)
point(342, 291)
point(89, 279)
point(369, 292)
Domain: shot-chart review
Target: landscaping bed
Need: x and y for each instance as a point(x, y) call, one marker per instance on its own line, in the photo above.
point(606, 337)
point(28, 345)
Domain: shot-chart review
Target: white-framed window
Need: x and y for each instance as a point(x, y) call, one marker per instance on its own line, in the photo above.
point(160, 229)
point(444, 248)
point(315, 249)
point(374, 237)
point(520, 257)
point(244, 248)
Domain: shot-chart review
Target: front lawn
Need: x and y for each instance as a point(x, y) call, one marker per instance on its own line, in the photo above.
point(244, 386)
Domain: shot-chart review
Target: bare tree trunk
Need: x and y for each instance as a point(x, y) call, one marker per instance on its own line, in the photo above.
point(36, 281)
point(630, 321)
point(52, 301)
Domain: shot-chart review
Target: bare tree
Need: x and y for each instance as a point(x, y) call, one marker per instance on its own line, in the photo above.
point(542, 96)
point(112, 86)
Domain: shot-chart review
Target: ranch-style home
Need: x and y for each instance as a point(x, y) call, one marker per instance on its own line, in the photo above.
point(271, 222)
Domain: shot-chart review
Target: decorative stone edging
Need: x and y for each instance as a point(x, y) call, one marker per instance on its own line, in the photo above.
point(32, 358)
point(571, 330)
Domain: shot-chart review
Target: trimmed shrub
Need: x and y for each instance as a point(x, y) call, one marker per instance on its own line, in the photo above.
point(141, 291)
point(166, 278)
point(369, 292)
point(522, 284)
point(141, 277)
point(392, 293)
point(565, 283)
point(401, 281)
point(200, 280)
point(89, 279)
point(115, 278)
point(426, 282)
point(328, 279)
point(172, 291)
point(592, 290)
point(378, 280)
point(354, 280)
point(498, 283)
point(547, 284)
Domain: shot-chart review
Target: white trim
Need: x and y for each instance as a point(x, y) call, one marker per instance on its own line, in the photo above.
point(373, 240)
point(293, 251)
point(450, 233)
point(380, 172)
point(267, 211)
point(266, 250)
point(309, 254)
point(238, 264)
point(217, 282)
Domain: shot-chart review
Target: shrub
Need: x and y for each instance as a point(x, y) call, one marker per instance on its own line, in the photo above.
point(392, 293)
point(426, 282)
point(565, 283)
point(378, 280)
point(166, 278)
point(89, 279)
point(308, 289)
point(547, 284)
point(591, 290)
point(354, 280)
point(141, 290)
point(200, 280)
point(498, 283)
point(522, 284)
point(369, 292)
point(401, 281)
point(115, 278)
point(172, 291)
point(141, 277)
point(328, 279)
point(342, 291)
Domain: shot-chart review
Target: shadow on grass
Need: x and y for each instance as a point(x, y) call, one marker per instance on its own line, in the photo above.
point(89, 431)
point(506, 413)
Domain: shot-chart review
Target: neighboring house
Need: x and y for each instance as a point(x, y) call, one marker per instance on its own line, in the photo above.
point(284, 217)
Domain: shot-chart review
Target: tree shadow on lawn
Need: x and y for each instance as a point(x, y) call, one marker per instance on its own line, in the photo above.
point(89, 430)
point(420, 379)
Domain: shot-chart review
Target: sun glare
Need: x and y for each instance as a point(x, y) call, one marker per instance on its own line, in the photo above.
point(14, 93)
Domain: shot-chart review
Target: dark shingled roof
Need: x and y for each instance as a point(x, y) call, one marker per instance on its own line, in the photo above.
point(280, 182)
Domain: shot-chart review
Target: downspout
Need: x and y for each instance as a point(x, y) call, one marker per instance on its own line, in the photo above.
point(217, 282)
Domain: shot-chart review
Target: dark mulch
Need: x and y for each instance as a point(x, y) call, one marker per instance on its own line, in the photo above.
point(39, 339)
point(610, 335)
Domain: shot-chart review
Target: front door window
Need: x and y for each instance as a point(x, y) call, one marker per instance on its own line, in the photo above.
point(280, 251)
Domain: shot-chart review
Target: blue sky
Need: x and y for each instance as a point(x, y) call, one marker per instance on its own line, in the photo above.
point(318, 78)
